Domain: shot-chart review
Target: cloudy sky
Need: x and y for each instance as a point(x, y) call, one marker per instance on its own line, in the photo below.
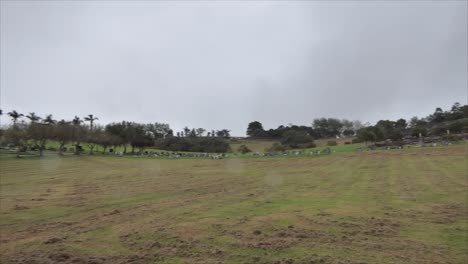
point(222, 65)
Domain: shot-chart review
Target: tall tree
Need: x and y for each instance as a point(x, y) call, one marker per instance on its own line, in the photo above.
point(438, 115)
point(327, 127)
point(49, 120)
point(77, 121)
point(78, 134)
point(14, 116)
point(91, 118)
point(295, 139)
point(186, 131)
point(401, 124)
point(254, 129)
point(159, 130)
point(39, 133)
point(456, 112)
point(63, 133)
point(193, 133)
point(224, 133)
point(366, 134)
point(200, 132)
point(33, 117)
point(122, 131)
point(17, 135)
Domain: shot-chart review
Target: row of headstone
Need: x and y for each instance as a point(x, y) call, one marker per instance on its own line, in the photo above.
point(397, 147)
point(175, 155)
point(292, 153)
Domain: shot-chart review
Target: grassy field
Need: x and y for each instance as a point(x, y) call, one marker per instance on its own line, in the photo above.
point(400, 206)
point(260, 145)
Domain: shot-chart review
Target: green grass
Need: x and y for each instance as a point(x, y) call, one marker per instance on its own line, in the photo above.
point(405, 206)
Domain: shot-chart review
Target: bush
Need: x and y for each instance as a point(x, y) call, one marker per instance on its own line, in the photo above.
point(296, 139)
point(332, 143)
point(438, 131)
point(276, 148)
point(205, 144)
point(244, 149)
point(396, 143)
point(456, 127)
point(451, 138)
point(356, 140)
point(417, 131)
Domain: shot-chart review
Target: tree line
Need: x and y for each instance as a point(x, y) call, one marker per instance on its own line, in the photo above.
point(34, 132)
point(454, 120)
point(320, 128)
point(439, 123)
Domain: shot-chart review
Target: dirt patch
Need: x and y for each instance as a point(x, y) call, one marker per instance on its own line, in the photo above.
point(113, 212)
point(438, 214)
point(381, 227)
point(60, 257)
point(449, 213)
point(20, 207)
point(53, 240)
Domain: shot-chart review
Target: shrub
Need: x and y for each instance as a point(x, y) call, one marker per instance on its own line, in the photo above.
point(205, 144)
point(244, 149)
point(416, 131)
point(457, 127)
point(332, 143)
point(397, 143)
point(438, 131)
point(276, 148)
point(451, 137)
point(296, 139)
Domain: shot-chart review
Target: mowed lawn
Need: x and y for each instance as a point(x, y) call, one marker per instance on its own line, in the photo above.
point(399, 206)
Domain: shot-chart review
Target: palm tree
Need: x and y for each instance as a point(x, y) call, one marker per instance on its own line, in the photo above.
point(33, 117)
point(76, 133)
point(91, 119)
point(49, 120)
point(77, 121)
point(15, 116)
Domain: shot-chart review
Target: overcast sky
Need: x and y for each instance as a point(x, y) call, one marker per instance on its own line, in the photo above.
point(222, 65)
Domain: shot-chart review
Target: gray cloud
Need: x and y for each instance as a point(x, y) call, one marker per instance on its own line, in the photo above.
point(222, 65)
